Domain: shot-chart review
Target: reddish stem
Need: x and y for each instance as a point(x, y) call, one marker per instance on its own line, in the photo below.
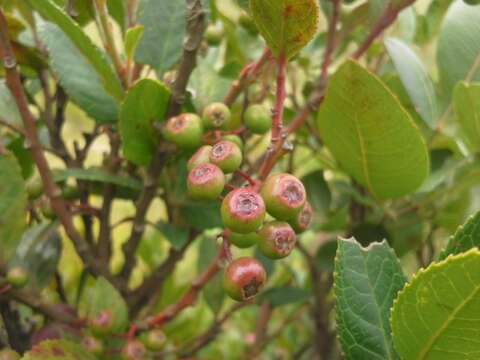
point(247, 177)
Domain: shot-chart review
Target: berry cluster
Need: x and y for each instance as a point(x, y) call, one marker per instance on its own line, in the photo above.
point(268, 214)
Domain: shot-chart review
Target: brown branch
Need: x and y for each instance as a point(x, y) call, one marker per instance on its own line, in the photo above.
point(32, 140)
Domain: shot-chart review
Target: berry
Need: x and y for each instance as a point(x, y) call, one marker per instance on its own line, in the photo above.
point(201, 156)
point(17, 276)
point(93, 345)
point(303, 220)
point(284, 196)
point(205, 182)
point(9, 354)
point(246, 21)
point(277, 239)
point(34, 188)
point(185, 130)
point(235, 139)
point(134, 350)
point(243, 241)
point(102, 324)
point(244, 278)
point(216, 115)
point(258, 119)
point(243, 211)
point(227, 156)
point(214, 34)
point(154, 340)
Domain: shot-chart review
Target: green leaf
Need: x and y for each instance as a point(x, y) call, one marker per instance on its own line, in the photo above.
point(286, 25)
point(459, 46)
point(104, 297)
point(287, 295)
point(466, 237)
point(416, 80)
point(77, 76)
point(132, 39)
point(50, 11)
point(145, 103)
point(58, 350)
point(164, 23)
point(436, 315)
point(371, 134)
point(8, 108)
point(466, 100)
point(39, 253)
point(366, 282)
point(13, 204)
point(319, 194)
point(202, 215)
point(175, 235)
point(23, 155)
point(213, 292)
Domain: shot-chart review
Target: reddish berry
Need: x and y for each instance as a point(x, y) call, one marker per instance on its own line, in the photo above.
point(134, 350)
point(277, 239)
point(154, 340)
point(9, 354)
point(303, 220)
point(258, 119)
point(216, 115)
point(243, 211)
point(93, 345)
point(284, 196)
point(185, 130)
point(17, 276)
point(201, 156)
point(244, 278)
point(235, 139)
point(243, 241)
point(205, 182)
point(102, 324)
point(227, 156)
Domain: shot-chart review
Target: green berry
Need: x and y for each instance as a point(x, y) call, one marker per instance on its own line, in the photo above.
point(134, 350)
point(102, 324)
point(284, 196)
point(244, 278)
point(227, 156)
point(93, 345)
point(246, 21)
point(243, 241)
point(185, 130)
point(205, 182)
point(155, 340)
point(214, 34)
point(9, 354)
point(216, 116)
point(303, 220)
point(243, 211)
point(34, 187)
point(235, 139)
point(277, 239)
point(17, 276)
point(258, 119)
point(201, 156)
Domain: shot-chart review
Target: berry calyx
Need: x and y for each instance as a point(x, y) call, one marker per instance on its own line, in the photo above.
point(284, 196)
point(9, 354)
point(201, 156)
point(226, 155)
point(93, 345)
point(244, 278)
point(102, 324)
point(277, 240)
point(134, 350)
point(17, 276)
point(258, 119)
point(216, 115)
point(185, 130)
point(243, 241)
point(303, 220)
point(243, 211)
point(154, 340)
point(205, 182)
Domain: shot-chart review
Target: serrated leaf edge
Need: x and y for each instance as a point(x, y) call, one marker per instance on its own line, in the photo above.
point(443, 255)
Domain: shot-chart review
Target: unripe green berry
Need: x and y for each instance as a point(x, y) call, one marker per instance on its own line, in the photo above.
point(235, 139)
point(244, 278)
point(134, 350)
point(277, 240)
point(243, 211)
point(258, 119)
point(214, 34)
point(205, 182)
point(17, 276)
point(246, 21)
point(154, 340)
point(227, 156)
point(201, 156)
point(284, 196)
point(93, 345)
point(303, 220)
point(102, 324)
point(216, 116)
point(243, 241)
point(34, 187)
point(9, 354)
point(185, 130)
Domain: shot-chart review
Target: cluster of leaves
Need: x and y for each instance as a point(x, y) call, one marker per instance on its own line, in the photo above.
point(380, 124)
